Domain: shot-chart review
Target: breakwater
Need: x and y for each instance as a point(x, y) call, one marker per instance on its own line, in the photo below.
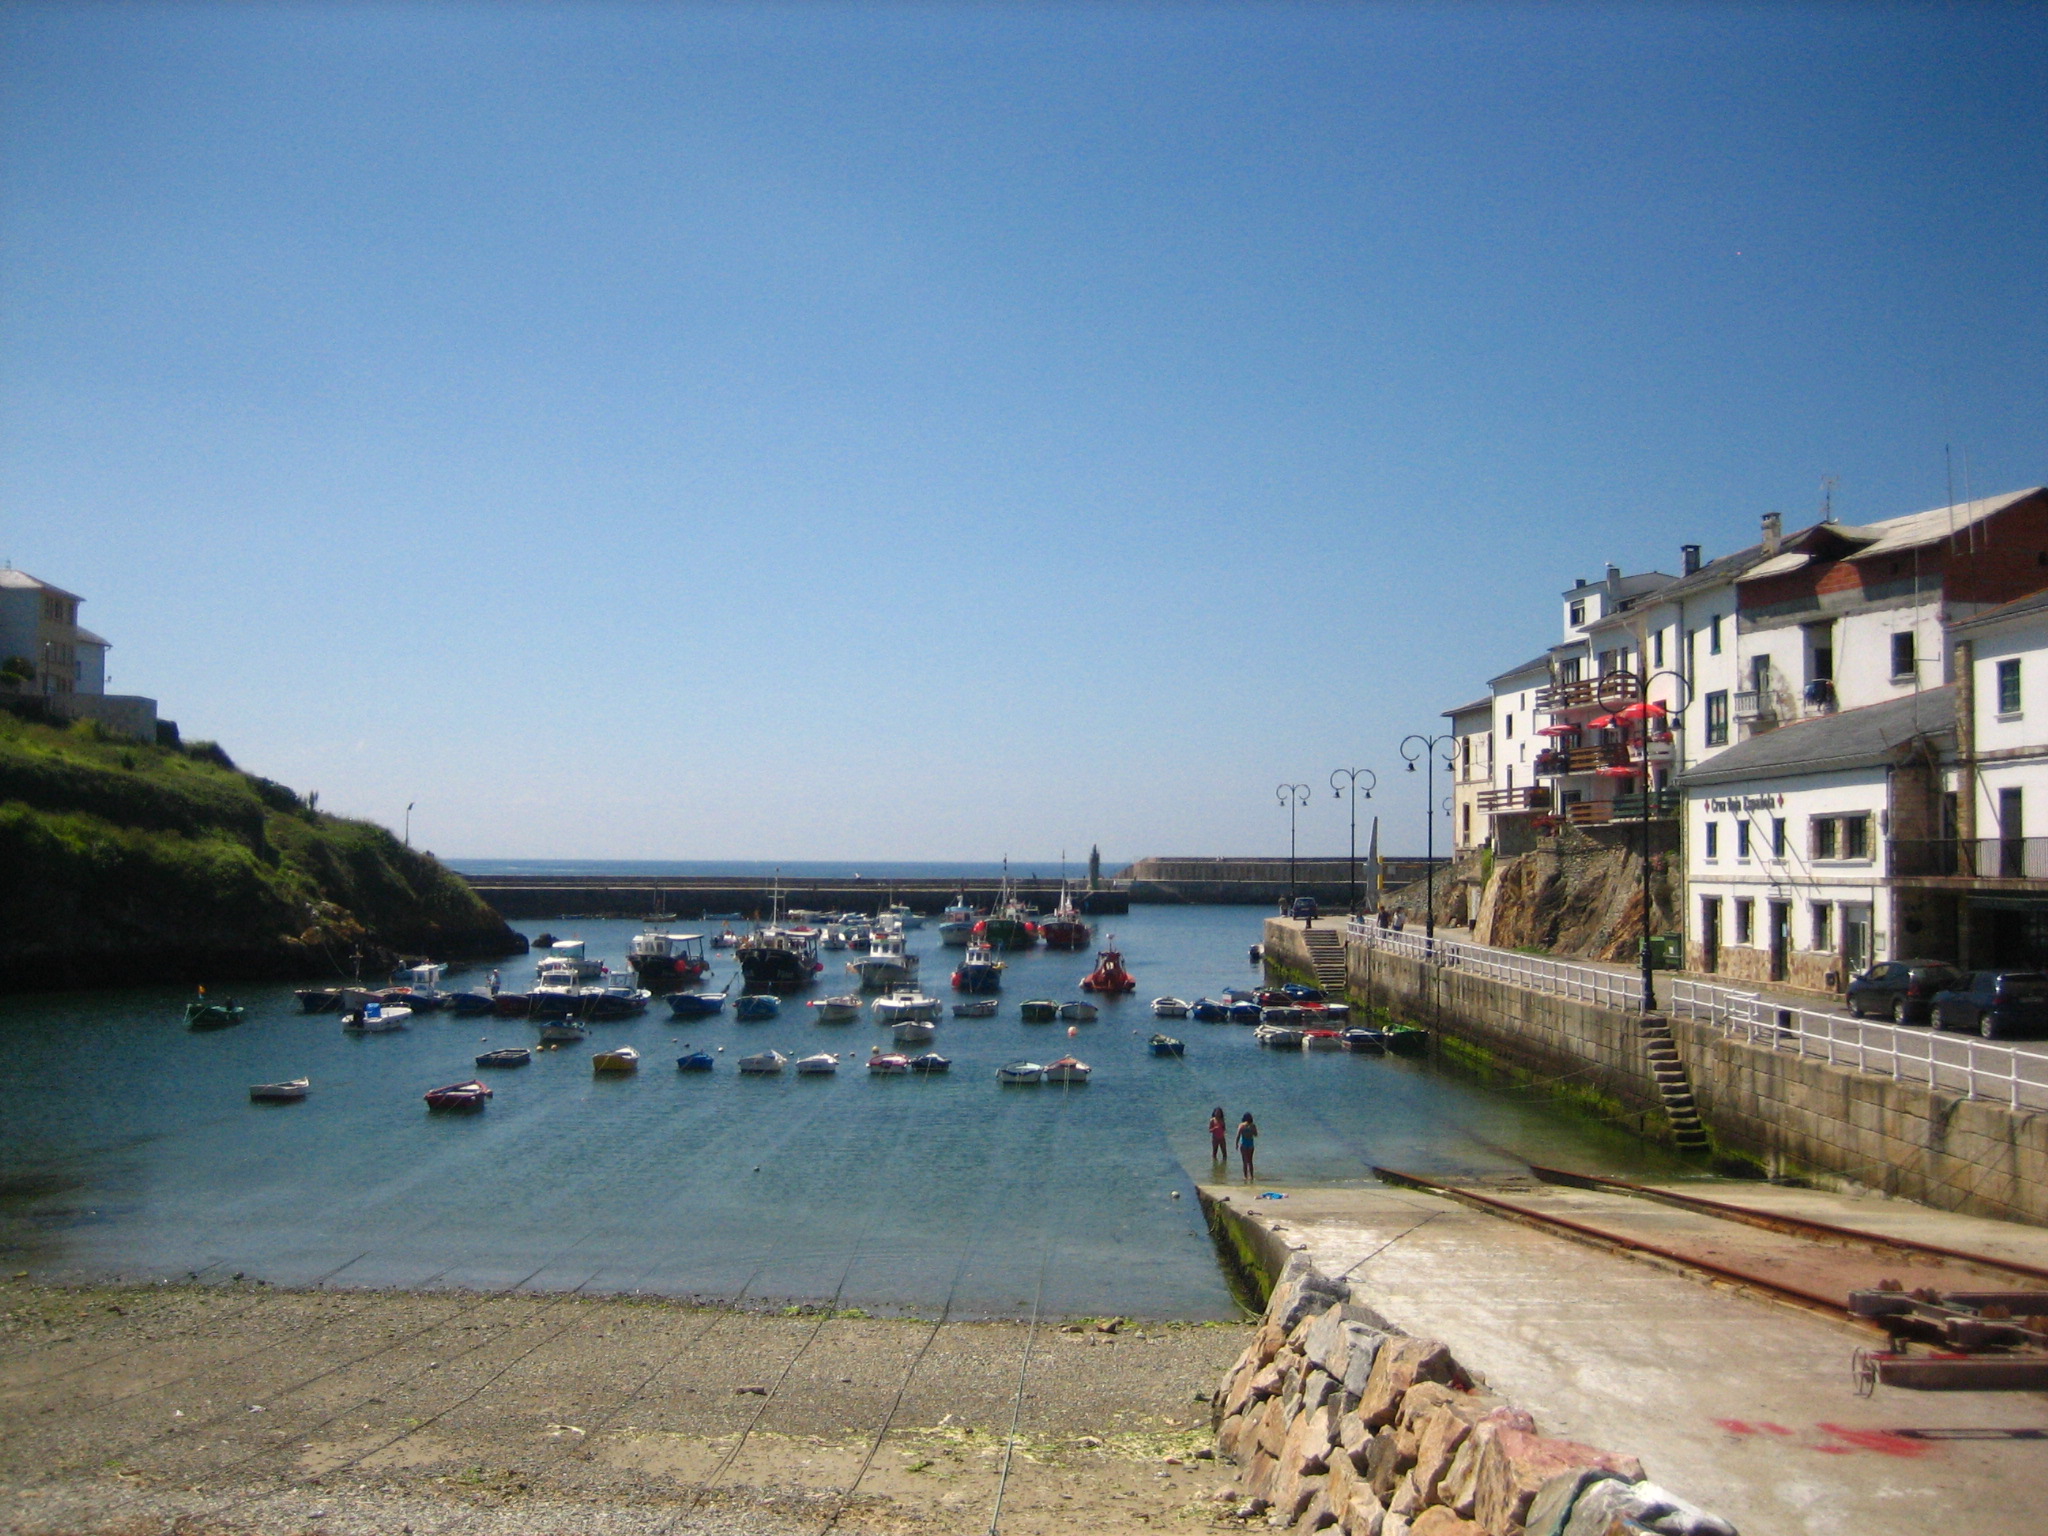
point(1261, 882)
point(693, 897)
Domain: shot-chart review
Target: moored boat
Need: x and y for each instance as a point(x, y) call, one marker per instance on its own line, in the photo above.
point(780, 959)
point(201, 1013)
point(1321, 1040)
point(1068, 1069)
point(888, 1064)
point(1038, 1010)
point(979, 971)
point(697, 1005)
point(1245, 1013)
point(902, 1006)
point(1301, 992)
point(1020, 1072)
point(1279, 1037)
point(696, 1061)
point(752, 1007)
point(1367, 1042)
point(1206, 1010)
point(820, 1064)
point(763, 1063)
point(1167, 1045)
point(1170, 1008)
point(318, 999)
point(1077, 1013)
point(472, 1004)
point(913, 1032)
point(562, 1032)
point(376, 1019)
point(622, 1058)
point(510, 1056)
point(1406, 1039)
point(930, 1061)
point(1065, 929)
point(886, 963)
point(570, 953)
point(843, 1009)
point(469, 1095)
point(280, 1093)
point(511, 1005)
point(667, 959)
point(975, 1008)
point(1109, 975)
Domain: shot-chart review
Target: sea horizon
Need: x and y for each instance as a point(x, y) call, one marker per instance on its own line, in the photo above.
point(794, 869)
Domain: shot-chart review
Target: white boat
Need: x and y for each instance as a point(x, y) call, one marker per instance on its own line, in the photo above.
point(570, 952)
point(976, 1008)
point(914, 1032)
point(619, 1059)
point(562, 1032)
point(1337, 1015)
point(764, 1062)
point(885, 964)
point(1067, 1069)
point(280, 1093)
point(833, 936)
point(1077, 1013)
point(902, 1006)
point(956, 932)
point(376, 1019)
point(1170, 1008)
point(905, 919)
point(1020, 1072)
point(835, 1010)
point(822, 1064)
point(1321, 1040)
point(1281, 1037)
point(890, 1065)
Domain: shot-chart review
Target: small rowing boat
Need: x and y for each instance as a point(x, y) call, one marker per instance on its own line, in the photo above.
point(470, 1095)
point(763, 1063)
point(1017, 1073)
point(695, 1061)
point(1068, 1069)
point(1166, 1045)
point(843, 1009)
point(1170, 1008)
point(1039, 1010)
point(753, 1007)
point(930, 1061)
point(619, 1059)
point(280, 1093)
point(823, 1064)
point(511, 1056)
point(890, 1065)
point(979, 1008)
point(1077, 1013)
point(562, 1032)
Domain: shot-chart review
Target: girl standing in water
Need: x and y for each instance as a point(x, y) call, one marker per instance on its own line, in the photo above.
point(1219, 1136)
point(1247, 1140)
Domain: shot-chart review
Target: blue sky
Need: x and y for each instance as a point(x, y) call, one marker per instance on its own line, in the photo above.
point(948, 431)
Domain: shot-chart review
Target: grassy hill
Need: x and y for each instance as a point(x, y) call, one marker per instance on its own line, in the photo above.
point(129, 863)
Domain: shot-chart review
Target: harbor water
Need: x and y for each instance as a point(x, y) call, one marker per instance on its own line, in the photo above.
point(129, 1147)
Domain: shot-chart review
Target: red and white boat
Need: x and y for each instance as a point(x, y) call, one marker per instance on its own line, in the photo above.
point(469, 1095)
point(1109, 974)
point(1064, 929)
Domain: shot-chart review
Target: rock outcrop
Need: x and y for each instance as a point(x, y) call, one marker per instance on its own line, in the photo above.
point(1337, 1419)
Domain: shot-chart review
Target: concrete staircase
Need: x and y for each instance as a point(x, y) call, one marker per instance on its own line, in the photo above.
point(1673, 1086)
point(1326, 954)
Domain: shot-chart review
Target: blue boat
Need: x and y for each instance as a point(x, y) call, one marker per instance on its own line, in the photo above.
point(1367, 1042)
point(1303, 994)
point(472, 1002)
point(1245, 1013)
point(1239, 995)
point(930, 1061)
point(752, 1007)
point(696, 1005)
point(1207, 1010)
point(695, 1061)
point(1166, 1045)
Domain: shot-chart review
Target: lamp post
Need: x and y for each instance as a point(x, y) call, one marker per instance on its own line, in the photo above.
point(1293, 796)
point(408, 821)
point(1429, 751)
point(1628, 700)
point(1371, 783)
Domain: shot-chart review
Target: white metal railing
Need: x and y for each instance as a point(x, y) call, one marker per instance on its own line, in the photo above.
point(1976, 1069)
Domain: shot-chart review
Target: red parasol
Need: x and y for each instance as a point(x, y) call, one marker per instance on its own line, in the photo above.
point(1555, 730)
point(1617, 771)
point(1604, 722)
point(1642, 709)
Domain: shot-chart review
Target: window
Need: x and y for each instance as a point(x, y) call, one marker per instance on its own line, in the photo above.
point(1777, 837)
point(1840, 837)
point(1714, 635)
point(2009, 687)
point(1717, 719)
point(1904, 662)
point(1760, 676)
point(1568, 670)
point(1713, 849)
point(1465, 754)
point(1822, 837)
point(1855, 837)
point(1742, 840)
point(1745, 919)
point(1657, 649)
point(1578, 614)
point(1510, 726)
point(1690, 650)
point(1823, 926)
point(1467, 822)
point(1820, 653)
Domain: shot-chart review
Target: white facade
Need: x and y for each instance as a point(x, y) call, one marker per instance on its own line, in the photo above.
point(1472, 771)
point(2009, 731)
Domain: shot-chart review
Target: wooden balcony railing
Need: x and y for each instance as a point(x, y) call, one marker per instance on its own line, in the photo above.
point(1614, 688)
point(1593, 813)
point(1529, 797)
point(1557, 760)
point(1983, 858)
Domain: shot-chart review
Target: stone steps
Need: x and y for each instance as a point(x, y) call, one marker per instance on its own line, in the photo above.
point(1674, 1087)
point(1326, 954)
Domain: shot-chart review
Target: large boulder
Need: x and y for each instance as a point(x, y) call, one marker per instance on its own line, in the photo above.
point(1601, 1506)
point(1515, 1463)
point(1399, 1364)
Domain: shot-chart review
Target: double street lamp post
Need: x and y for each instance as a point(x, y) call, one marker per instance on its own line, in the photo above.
point(1353, 775)
point(1292, 796)
point(1629, 702)
point(1429, 751)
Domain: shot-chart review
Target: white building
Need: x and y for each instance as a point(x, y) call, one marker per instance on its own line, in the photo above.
point(1471, 771)
point(45, 654)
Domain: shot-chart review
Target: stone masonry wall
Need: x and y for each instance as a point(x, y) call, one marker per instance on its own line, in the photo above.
point(1338, 1420)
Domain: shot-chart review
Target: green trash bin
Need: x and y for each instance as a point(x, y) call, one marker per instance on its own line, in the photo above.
point(1666, 951)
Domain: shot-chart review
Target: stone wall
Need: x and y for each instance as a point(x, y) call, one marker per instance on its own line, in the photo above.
point(1795, 1114)
point(1337, 1419)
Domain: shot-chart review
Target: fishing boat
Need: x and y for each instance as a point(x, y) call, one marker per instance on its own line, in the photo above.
point(903, 1006)
point(904, 917)
point(913, 1032)
point(621, 1058)
point(780, 959)
point(956, 925)
point(1279, 1037)
point(667, 959)
point(1068, 1069)
point(562, 1032)
point(1321, 1040)
point(1039, 1010)
point(843, 1009)
point(318, 999)
point(1077, 1013)
point(752, 1007)
point(510, 1056)
point(469, 1095)
point(1166, 1045)
point(418, 987)
point(822, 1064)
point(1109, 975)
point(725, 938)
point(1016, 1073)
point(571, 953)
point(1406, 1039)
point(832, 936)
point(886, 964)
point(888, 1065)
point(202, 1014)
point(511, 1005)
point(1170, 1008)
point(376, 1019)
point(1007, 928)
point(280, 1093)
point(976, 1008)
point(1367, 1042)
point(930, 1061)
point(1206, 1010)
point(1065, 929)
point(472, 1004)
point(615, 1001)
point(979, 971)
point(763, 1063)
point(698, 1005)
point(696, 1061)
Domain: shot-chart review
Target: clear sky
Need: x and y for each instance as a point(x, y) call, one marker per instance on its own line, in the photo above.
point(822, 431)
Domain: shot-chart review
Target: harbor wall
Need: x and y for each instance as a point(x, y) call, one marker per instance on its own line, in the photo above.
point(1793, 1114)
point(688, 899)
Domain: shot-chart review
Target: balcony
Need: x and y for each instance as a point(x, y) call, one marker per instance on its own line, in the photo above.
point(1624, 808)
point(1984, 858)
point(1614, 688)
point(1751, 705)
point(1561, 760)
point(1507, 802)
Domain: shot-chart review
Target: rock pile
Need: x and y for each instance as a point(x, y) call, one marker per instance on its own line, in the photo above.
point(1337, 1418)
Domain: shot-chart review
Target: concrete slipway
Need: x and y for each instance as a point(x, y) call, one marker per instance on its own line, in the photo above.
point(1742, 1403)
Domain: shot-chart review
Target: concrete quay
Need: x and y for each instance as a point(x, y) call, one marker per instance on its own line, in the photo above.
point(1741, 1404)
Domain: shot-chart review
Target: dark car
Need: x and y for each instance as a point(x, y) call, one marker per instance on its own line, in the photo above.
point(1901, 990)
point(1995, 1004)
point(1305, 909)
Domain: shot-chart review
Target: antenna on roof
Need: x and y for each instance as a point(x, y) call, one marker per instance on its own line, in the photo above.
point(1827, 498)
point(1948, 463)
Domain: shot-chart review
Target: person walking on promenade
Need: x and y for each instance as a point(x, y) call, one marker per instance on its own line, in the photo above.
point(1247, 1140)
point(1219, 1136)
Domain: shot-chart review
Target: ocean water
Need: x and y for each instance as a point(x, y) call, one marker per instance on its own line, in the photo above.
point(128, 1145)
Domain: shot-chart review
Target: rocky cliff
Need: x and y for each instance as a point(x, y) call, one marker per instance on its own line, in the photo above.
point(132, 863)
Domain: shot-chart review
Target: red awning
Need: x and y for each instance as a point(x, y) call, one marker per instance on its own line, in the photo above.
point(1555, 730)
point(1642, 709)
point(1604, 722)
point(1617, 771)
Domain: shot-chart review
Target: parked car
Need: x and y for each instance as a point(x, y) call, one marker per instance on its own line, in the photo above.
point(1995, 1004)
point(1901, 990)
point(1305, 908)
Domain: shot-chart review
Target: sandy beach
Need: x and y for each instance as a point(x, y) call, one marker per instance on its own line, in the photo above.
point(240, 1408)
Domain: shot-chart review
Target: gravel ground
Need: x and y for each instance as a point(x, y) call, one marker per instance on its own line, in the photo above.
point(202, 1409)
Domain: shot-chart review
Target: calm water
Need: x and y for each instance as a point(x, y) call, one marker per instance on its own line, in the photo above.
point(128, 1146)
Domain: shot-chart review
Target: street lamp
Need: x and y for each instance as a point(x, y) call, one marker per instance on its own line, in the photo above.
point(1371, 783)
point(1626, 696)
point(1429, 751)
point(408, 821)
point(1293, 796)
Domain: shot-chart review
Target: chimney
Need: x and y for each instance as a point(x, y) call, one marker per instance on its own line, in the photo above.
point(1689, 559)
point(1613, 579)
point(1774, 531)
